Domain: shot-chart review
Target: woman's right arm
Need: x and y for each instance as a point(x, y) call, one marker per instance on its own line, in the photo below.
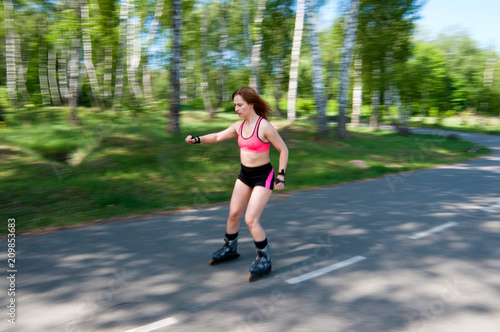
point(230, 132)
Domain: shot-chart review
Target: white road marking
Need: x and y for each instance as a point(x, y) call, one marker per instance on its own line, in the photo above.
point(433, 230)
point(156, 325)
point(492, 207)
point(325, 270)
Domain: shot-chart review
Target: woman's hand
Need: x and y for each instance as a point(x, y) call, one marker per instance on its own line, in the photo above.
point(193, 139)
point(280, 185)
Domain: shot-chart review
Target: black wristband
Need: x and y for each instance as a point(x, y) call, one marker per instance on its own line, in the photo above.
point(282, 172)
point(278, 181)
point(197, 139)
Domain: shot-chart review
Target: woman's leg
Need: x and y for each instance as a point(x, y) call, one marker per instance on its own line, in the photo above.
point(239, 200)
point(258, 200)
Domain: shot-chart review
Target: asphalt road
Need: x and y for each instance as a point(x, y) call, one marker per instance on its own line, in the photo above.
point(410, 252)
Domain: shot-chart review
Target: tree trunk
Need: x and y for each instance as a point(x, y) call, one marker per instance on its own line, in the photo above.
point(375, 110)
point(52, 74)
point(22, 68)
point(246, 24)
point(175, 72)
point(347, 50)
point(205, 85)
point(257, 45)
point(222, 93)
point(122, 55)
point(10, 51)
point(63, 72)
point(294, 66)
point(317, 69)
point(74, 69)
point(277, 85)
point(42, 67)
point(357, 94)
point(393, 98)
point(375, 98)
point(87, 52)
point(134, 46)
point(108, 70)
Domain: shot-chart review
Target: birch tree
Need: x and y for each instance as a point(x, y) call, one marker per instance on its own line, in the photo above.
point(393, 98)
point(357, 93)
point(175, 70)
point(222, 48)
point(257, 45)
point(152, 32)
point(52, 76)
point(122, 54)
point(351, 24)
point(277, 32)
point(205, 86)
point(43, 62)
point(10, 51)
point(134, 49)
point(317, 68)
point(375, 99)
point(74, 71)
point(21, 70)
point(87, 52)
point(294, 66)
point(246, 23)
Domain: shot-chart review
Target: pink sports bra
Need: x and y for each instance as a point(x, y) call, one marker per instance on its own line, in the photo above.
point(253, 143)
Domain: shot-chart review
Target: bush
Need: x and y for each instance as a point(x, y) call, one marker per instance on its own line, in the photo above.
point(434, 112)
point(306, 108)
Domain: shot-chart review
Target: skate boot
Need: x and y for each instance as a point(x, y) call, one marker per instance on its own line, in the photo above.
point(261, 266)
point(226, 253)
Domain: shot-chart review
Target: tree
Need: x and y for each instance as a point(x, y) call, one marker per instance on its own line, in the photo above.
point(351, 24)
point(122, 54)
point(74, 73)
point(318, 85)
point(175, 69)
point(425, 81)
point(294, 66)
point(152, 33)
point(357, 93)
point(87, 51)
point(257, 45)
point(205, 85)
point(465, 62)
point(277, 34)
point(385, 27)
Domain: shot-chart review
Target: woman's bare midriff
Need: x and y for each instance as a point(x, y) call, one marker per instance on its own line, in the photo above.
point(252, 159)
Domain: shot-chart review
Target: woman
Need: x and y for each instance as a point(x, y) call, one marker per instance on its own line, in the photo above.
point(255, 183)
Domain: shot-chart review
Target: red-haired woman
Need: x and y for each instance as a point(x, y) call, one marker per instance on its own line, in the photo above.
point(256, 180)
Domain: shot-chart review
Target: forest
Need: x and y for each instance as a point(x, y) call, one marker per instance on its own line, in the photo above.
point(146, 55)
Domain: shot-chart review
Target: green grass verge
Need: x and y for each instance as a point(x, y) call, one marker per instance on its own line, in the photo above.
point(55, 175)
point(472, 124)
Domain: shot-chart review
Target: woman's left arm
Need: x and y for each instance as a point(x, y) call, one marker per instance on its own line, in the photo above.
point(274, 137)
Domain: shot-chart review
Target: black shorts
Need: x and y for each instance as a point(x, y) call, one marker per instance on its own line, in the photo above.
point(257, 176)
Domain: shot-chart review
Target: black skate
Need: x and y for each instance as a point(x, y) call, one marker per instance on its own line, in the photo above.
point(227, 253)
point(261, 266)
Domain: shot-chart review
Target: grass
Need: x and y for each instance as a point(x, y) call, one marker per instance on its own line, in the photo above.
point(55, 175)
point(473, 124)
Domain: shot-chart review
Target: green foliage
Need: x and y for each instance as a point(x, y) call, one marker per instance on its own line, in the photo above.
point(434, 112)
point(444, 76)
point(305, 108)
